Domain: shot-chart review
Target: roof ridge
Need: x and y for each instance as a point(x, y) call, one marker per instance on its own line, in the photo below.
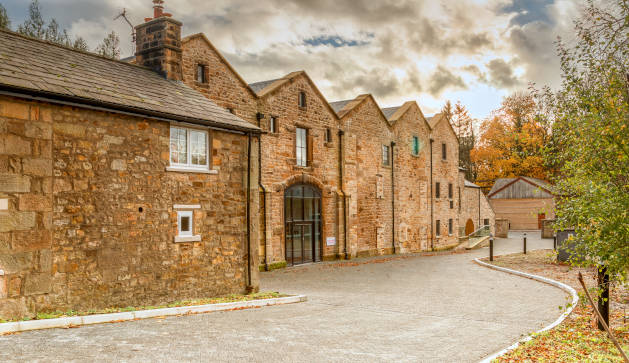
point(47, 42)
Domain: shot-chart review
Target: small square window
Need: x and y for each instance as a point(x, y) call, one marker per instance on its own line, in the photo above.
point(486, 222)
point(385, 155)
point(201, 73)
point(184, 223)
point(437, 190)
point(437, 228)
point(273, 124)
point(302, 99)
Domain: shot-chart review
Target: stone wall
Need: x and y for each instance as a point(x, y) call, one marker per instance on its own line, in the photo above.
point(471, 199)
point(92, 218)
point(412, 180)
point(445, 172)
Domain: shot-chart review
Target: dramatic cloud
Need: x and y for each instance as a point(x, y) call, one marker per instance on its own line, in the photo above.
point(476, 51)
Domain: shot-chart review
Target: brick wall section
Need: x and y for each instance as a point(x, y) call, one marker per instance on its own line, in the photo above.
point(104, 250)
point(445, 172)
point(279, 170)
point(373, 179)
point(412, 181)
point(224, 86)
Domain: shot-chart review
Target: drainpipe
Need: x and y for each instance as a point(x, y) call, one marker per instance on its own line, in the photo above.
point(266, 252)
point(341, 133)
point(393, 195)
point(432, 214)
point(478, 208)
point(248, 279)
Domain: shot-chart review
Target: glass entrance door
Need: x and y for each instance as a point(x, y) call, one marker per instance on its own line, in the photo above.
point(302, 210)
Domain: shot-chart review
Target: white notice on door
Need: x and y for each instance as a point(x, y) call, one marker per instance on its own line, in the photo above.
point(331, 241)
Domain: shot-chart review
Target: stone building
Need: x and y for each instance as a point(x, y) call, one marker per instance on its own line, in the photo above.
point(172, 177)
point(119, 185)
point(475, 211)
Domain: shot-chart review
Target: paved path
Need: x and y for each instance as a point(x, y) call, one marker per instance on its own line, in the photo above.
point(440, 308)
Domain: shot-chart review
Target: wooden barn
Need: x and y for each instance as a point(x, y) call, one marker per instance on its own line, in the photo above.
point(525, 202)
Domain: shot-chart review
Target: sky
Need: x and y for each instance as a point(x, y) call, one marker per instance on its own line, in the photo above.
point(473, 51)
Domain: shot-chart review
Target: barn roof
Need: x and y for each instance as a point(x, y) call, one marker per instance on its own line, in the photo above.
point(520, 187)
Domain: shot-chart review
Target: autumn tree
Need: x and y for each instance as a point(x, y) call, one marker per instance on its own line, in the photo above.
point(462, 123)
point(5, 22)
point(511, 142)
point(110, 46)
point(590, 137)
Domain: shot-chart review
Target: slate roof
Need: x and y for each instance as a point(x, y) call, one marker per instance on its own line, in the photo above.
point(338, 106)
point(59, 73)
point(389, 111)
point(500, 183)
point(469, 184)
point(258, 87)
point(434, 120)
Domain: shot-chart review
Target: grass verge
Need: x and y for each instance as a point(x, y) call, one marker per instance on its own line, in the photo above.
point(577, 339)
point(194, 302)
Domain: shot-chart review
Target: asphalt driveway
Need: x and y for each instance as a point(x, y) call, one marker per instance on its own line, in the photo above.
point(410, 308)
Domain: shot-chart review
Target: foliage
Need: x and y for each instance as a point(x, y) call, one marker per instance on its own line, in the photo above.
point(35, 27)
point(5, 22)
point(110, 47)
point(590, 137)
point(511, 142)
point(462, 123)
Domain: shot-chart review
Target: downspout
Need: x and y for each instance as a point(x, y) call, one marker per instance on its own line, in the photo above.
point(432, 214)
point(248, 278)
point(393, 195)
point(478, 207)
point(266, 252)
point(341, 133)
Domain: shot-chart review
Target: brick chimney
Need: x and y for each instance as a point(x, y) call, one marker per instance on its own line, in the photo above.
point(158, 43)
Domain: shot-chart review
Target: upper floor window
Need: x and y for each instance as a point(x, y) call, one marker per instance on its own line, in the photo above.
point(450, 227)
point(273, 124)
point(302, 99)
point(201, 73)
point(189, 148)
point(415, 145)
point(328, 135)
point(486, 222)
point(386, 155)
point(302, 147)
point(450, 191)
point(437, 228)
point(437, 190)
point(444, 152)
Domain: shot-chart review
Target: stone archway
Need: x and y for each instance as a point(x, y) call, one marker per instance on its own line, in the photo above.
point(469, 227)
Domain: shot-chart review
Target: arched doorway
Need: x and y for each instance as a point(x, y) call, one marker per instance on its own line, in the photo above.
point(302, 215)
point(469, 227)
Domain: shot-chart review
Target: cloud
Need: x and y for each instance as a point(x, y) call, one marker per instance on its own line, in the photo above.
point(501, 74)
point(443, 79)
point(397, 50)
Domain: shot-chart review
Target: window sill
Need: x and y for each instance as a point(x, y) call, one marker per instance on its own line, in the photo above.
point(182, 169)
point(179, 239)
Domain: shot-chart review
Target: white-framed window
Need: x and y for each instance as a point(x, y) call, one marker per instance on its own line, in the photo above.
point(189, 148)
point(385, 155)
point(301, 151)
point(184, 223)
point(273, 124)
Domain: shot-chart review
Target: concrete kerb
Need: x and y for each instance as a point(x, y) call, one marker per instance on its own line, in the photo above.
point(560, 285)
point(14, 327)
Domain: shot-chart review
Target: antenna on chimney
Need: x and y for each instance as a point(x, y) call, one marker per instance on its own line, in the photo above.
point(123, 15)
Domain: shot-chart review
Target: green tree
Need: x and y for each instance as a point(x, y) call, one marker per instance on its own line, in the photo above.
point(590, 136)
point(34, 26)
point(5, 22)
point(462, 123)
point(110, 46)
